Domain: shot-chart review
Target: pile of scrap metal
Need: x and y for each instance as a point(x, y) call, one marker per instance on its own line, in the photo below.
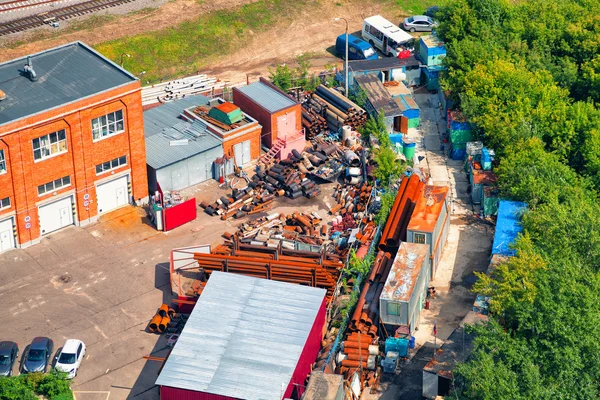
point(279, 264)
point(241, 202)
point(365, 322)
point(287, 177)
point(329, 106)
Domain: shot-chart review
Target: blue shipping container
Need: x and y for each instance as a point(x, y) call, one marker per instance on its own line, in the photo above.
point(508, 226)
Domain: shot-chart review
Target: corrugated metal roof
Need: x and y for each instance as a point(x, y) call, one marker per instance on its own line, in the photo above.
point(428, 209)
point(378, 95)
point(266, 97)
point(381, 64)
point(162, 125)
point(65, 74)
point(243, 338)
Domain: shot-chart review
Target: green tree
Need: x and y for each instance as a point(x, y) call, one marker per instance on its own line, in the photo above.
point(13, 388)
point(282, 77)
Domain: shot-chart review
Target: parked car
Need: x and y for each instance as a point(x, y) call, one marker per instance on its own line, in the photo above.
point(419, 23)
point(38, 355)
point(358, 49)
point(9, 352)
point(70, 357)
point(432, 11)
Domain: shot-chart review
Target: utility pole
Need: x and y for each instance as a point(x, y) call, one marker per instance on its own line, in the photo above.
point(346, 57)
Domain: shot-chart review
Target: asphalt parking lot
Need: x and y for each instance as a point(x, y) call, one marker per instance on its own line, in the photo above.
point(102, 284)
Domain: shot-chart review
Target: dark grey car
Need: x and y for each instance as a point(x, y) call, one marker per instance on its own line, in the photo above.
point(9, 351)
point(38, 355)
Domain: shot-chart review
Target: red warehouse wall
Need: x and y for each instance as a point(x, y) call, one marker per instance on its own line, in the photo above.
point(310, 351)
point(169, 393)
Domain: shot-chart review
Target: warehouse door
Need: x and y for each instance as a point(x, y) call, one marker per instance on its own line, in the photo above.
point(112, 194)
point(7, 239)
point(197, 169)
point(241, 152)
point(286, 124)
point(56, 215)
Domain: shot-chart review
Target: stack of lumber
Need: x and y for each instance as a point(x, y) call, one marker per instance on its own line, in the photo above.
point(340, 110)
point(180, 88)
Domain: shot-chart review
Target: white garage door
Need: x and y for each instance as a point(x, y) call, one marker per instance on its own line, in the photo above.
point(112, 194)
point(56, 215)
point(241, 152)
point(7, 239)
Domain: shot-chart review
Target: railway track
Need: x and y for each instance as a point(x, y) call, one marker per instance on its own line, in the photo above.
point(47, 18)
point(20, 4)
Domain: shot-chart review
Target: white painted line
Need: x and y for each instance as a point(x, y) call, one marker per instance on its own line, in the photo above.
point(107, 393)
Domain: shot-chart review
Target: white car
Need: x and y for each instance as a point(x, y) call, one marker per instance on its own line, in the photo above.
point(70, 357)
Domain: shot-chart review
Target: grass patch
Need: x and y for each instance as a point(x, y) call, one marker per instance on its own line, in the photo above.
point(186, 48)
point(417, 7)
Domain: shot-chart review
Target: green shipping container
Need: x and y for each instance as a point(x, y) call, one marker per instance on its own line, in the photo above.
point(459, 146)
point(490, 201)
point(461, 136)
point(413, 122)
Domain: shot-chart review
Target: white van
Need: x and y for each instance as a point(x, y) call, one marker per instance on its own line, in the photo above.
point(385, 36)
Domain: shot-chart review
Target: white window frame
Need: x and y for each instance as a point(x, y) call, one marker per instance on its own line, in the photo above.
point(424, 236)
point(113, 164)
point(2, 206)
point(54, 185)
point(53, 149)
point(108, 125)
point(3, 169)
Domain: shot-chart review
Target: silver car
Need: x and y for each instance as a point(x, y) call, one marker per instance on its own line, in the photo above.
point(419, 23)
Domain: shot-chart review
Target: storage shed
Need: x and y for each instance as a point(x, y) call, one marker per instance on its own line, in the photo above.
point(479, 180)
point(430, 223)
point(279, 114)
point(380, 100)
point(508, 226)
point(432, 50)
point(407, 70)
point(438, 373)
point(179, 153)
point(247, 338)
point(406, 286)
point(460, 132)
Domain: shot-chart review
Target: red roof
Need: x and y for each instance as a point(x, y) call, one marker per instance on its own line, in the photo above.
point(428, 208)
point(484, 177)
point(227, 107)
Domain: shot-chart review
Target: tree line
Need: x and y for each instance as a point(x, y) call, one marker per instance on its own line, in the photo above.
point(527, 74)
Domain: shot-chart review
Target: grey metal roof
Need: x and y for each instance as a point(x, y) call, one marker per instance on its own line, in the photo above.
point(243, 338)
point(267, 97)
point(162, 125)
point(65, 74)
point(381, 64)
point(378, 95)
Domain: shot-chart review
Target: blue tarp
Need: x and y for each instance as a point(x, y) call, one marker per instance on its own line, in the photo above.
point(508, 226)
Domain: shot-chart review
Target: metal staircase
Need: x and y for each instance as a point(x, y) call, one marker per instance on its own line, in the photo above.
point(270, 155)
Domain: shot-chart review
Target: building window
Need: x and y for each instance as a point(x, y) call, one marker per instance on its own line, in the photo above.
point(419, 238)
point(112, 164)
point(54, 185)
point(4, 203)
point(2, 162)
point(107, 125)
point(393, 309)
point(50, 145)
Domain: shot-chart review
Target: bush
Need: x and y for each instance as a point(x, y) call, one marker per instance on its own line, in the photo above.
point(63, 396)
point(54, 384)
point(13, 388)
point(33, 380)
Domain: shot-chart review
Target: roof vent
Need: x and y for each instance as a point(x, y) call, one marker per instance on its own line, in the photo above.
point(29, 70)
point(2, 95)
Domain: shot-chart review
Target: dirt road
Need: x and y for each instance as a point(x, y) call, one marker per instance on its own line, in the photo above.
point(312, 34)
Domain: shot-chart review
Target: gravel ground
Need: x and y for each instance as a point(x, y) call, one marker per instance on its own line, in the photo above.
point(25, 12)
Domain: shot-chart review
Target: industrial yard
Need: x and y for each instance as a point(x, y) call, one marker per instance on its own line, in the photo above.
point(285, 221)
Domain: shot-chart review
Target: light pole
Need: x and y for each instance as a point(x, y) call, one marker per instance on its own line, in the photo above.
point(124, 55)
point(345, 58)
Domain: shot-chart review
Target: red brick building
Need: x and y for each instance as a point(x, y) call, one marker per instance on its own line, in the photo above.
point(278, 113)
point(71, 142)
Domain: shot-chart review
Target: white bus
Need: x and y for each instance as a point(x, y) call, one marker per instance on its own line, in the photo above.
point(387, 37)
